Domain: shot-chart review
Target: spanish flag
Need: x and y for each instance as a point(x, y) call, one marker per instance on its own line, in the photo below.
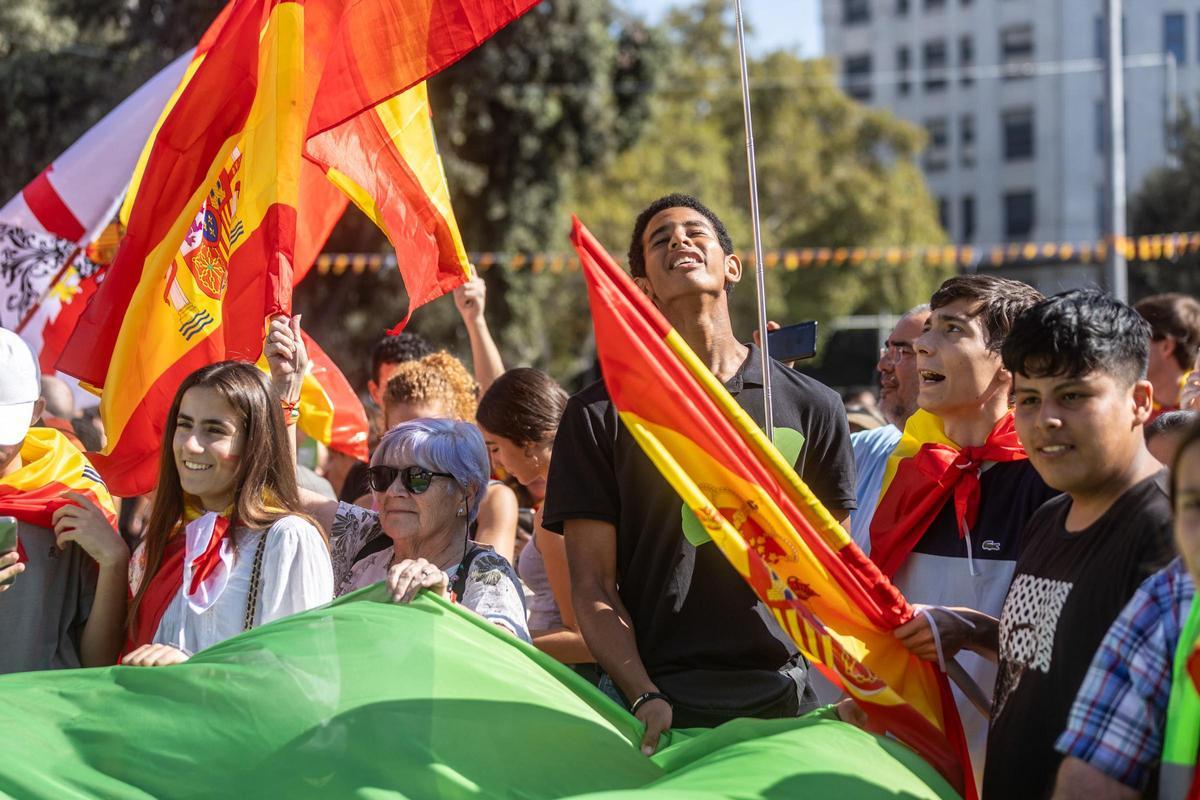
point(831, 599)
point(227, 205)
point(50, 467)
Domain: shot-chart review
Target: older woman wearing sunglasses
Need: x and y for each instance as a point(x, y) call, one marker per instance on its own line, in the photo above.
point(427, 479)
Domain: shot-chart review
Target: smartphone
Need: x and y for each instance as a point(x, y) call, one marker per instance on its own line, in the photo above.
point(8, 539)
point(793, 342)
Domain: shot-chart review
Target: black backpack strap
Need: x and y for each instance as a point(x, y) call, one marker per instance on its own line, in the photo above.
point(376, 543)
point(459, 586)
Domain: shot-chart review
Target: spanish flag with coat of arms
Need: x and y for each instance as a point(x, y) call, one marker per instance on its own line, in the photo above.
point(830, 598)
point(287, 108)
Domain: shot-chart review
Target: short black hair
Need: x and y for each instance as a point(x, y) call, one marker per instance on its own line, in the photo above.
point(1079, 332)
point(999, 301)
point(637, 255)
point(404, 346)
point(1170, 422)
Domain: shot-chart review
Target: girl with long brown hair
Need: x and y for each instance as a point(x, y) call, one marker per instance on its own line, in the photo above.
point(226, 547)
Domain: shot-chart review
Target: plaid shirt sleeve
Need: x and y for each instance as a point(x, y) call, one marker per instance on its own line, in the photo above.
point(1118, 718)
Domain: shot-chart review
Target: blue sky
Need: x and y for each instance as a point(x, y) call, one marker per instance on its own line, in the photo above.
point(793, 25)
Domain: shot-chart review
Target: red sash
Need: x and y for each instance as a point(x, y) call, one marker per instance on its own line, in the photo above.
point(922, 485)
point(161, 590)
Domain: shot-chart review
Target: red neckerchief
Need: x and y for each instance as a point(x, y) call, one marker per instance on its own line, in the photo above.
point(168, 579)
point(924, 482)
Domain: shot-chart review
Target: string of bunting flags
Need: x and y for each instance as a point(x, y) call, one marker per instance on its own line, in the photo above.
point(1155, 247)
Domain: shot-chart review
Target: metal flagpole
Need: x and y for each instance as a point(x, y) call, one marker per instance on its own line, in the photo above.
point(768, 413)
point(1114, 95)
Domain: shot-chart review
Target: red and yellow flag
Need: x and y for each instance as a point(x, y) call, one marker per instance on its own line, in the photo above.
point(50, 467)
point(829, 597)
point(226, 205)
point(925, 470)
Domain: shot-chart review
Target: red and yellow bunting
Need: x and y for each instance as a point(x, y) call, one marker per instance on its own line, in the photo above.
point(1139, 249)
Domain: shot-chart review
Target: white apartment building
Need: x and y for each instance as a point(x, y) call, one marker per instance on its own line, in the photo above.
point(1011, 94)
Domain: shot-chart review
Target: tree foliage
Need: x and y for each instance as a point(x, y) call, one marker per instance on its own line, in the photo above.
point(1168, 201)
point(831, 172)
point(66, 63)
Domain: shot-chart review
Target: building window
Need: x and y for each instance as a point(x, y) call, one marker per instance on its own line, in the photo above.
point(858, 76)
point(1174, 42)
point(944, 213)
point(901, 8)
point(966, 140)
point(967, 218)
point(903, 64)
point(966, 61)
point(1018, 215)
point(1016, 51)
point(934, 65)
point(937, 151)
point(856, 12)
point(1018, 134)
point(934, 5)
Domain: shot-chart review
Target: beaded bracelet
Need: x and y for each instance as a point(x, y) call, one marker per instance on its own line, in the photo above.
point(291, 412)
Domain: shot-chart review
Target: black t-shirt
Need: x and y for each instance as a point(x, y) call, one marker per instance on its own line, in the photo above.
point(356, 484)
point(690, 608)
point(1068, 589)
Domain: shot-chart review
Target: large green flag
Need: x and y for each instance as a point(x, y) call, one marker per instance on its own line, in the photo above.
point(367, 699)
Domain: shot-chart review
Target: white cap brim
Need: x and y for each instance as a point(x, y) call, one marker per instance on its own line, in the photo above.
point(15, 421)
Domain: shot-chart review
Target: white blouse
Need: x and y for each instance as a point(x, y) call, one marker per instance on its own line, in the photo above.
point(296, 576)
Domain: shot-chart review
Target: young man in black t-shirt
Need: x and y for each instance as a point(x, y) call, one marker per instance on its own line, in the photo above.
point(674, 626)
point(1079, 363)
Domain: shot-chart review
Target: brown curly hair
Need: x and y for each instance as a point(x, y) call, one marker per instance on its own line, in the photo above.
point(437, 378)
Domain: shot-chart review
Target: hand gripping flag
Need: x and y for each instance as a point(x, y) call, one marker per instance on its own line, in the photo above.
point(51, 467)
point(330, 411)
point(829, 597)
point(218, 212)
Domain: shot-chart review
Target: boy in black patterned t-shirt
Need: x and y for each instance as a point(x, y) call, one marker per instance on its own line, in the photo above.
point(1078, 361)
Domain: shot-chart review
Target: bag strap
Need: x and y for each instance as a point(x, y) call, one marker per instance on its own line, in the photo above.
point(255, 581)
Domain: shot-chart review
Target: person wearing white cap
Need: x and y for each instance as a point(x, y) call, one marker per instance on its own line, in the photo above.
point(63, 587)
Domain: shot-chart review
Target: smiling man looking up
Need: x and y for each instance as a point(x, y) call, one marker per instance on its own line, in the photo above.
point(673, 625)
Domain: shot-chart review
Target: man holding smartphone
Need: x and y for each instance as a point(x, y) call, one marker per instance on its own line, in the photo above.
point(682, 638)
point(63, 579)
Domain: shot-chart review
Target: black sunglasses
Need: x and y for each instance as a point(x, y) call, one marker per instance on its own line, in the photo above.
point(416, 480)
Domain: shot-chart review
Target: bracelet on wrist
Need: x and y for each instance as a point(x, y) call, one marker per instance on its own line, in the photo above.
point(646, 697)
point(291, 411)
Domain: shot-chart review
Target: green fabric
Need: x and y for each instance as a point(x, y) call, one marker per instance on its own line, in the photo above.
point(1182, 738)
point(368, 699)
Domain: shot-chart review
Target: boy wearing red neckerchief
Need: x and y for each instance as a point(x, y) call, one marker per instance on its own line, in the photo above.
point(958, 488)
point(65, 606)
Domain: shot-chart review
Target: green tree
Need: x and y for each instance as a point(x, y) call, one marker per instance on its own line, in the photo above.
point(1169, 201)
point(66, 63)
point(831, 172)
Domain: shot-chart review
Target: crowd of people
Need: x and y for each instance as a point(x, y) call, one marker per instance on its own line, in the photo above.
point(1028, 477)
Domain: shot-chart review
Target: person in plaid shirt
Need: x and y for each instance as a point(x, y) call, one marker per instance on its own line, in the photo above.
point(1114, 733)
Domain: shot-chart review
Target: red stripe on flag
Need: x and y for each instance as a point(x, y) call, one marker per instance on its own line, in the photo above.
point(46, 204)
